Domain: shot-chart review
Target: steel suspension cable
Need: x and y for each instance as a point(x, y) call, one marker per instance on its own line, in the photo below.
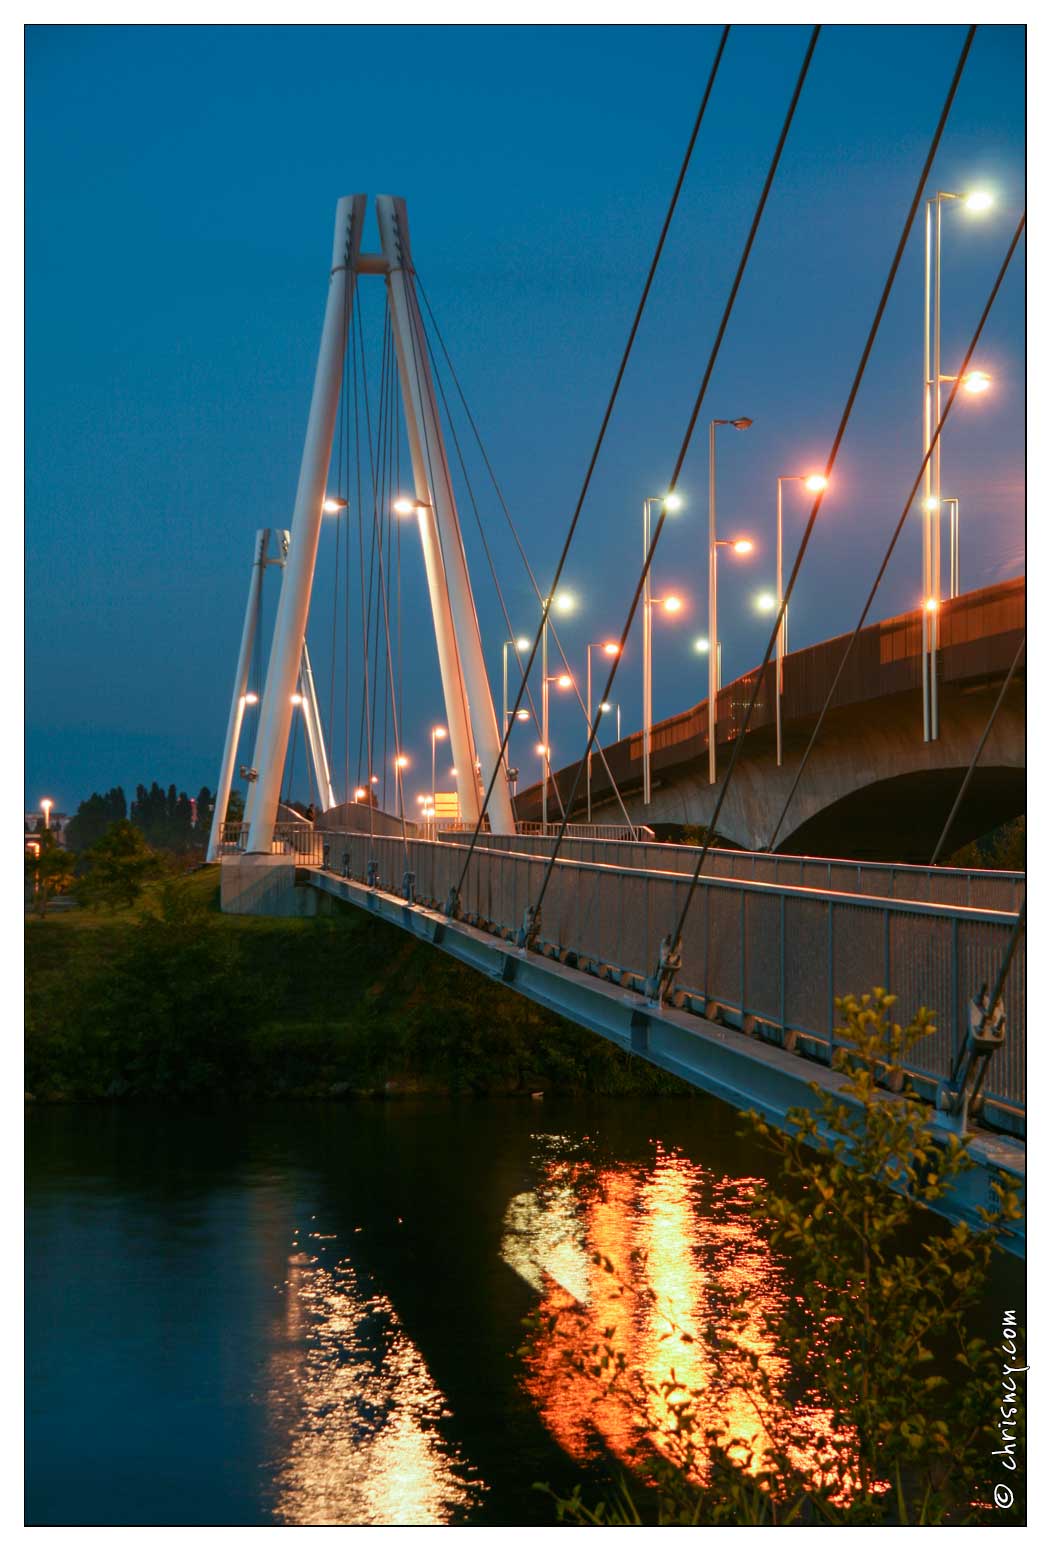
point(514, 532)
point(607, 415)
point(684, 448)
point(936, 437)
point(965, 783)
point(675, 936)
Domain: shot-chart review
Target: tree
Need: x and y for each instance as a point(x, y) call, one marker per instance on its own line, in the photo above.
point(52, 869)
point(94, 816)
point(868, 1429)
point(117, 868)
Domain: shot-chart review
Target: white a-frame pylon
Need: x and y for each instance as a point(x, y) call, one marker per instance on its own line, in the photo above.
point(473, 731)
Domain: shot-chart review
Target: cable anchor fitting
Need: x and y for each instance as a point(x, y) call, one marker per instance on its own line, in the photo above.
point(669, 963)
point(345, 868)
point(372, 875)
point(986, 1033)
point(452, 902)
point(408, 886)
point(530, 928)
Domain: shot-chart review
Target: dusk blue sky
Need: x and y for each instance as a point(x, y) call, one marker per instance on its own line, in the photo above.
point(181, 190)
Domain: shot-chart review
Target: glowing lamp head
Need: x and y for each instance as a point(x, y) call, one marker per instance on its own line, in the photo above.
point(375, 780)
point(673, 502)
point(251, 698)
point(743, 546)
point(564, 681)
point(297, 699)
point(522, 644)
point(611, 648)
point(404, 506)
point(976, 382)
point(359, 793)
point(543, 749)
point(333, 504)
point(931, 605)
point(452, 770)
point(672, 604)
point(564, 602)
point(402, 762)
point(701, 644)
point(741, 423)
point(978, 201)
point(766, 603)
point(439, 732)
point(522, 714)
point(932, 504)
point(815, 482)
point(605, 707)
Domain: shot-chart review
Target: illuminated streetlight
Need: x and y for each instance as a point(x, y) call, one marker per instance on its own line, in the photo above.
point(332, 504)
point(766, 602)
point(406, 506)
point(251, 698)
point(977, 202)
point(47, 803)
point(296, 699)
point(360, 794)
point(976, 382)
point(401, 762)
point(522, 714)
point(740, 547)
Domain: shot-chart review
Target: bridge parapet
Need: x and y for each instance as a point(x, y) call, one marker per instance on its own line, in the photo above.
point(768, 958)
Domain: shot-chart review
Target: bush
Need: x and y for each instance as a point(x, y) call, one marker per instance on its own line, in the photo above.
point(875, 1433)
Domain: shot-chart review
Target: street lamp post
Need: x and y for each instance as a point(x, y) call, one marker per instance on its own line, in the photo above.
point(565, 603)
point(813, 483)
point(436, 733)
point(672, 502)
point(742, 423)
point(521, 645)
point(563, 681)
point(975, 202)
point(610, 649)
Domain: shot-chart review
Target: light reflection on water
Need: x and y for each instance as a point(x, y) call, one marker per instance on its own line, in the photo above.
point(672, 1230)
point(357, 1409)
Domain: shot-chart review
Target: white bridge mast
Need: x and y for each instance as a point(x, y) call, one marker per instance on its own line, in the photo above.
point(469, 709)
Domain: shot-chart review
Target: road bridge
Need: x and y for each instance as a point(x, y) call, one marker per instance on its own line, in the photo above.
point(872, 788)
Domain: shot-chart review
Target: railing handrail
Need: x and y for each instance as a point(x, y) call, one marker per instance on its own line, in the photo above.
point(919, 907)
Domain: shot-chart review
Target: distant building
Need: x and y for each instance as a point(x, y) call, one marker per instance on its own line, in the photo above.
point(33, 822)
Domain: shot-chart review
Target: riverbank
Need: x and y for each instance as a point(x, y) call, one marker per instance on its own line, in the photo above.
point(175, 1001)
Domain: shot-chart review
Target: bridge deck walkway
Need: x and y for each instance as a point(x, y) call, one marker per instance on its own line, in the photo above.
point(766, 957)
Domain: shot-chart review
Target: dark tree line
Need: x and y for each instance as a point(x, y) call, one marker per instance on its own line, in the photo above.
point(166, 817)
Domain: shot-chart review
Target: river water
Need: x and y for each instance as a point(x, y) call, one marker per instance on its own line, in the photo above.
point(299, 1314)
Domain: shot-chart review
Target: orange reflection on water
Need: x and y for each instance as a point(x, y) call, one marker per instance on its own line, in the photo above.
point(671, 1231)
point(357, 1410)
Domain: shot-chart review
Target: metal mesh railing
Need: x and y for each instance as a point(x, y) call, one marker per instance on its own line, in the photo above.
point(757, 954)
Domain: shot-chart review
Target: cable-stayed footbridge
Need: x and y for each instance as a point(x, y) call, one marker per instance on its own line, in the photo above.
point(722, 966)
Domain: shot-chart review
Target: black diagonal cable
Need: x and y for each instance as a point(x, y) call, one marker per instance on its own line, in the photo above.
point(683, 449)
point(897, 531)
point(676, 934)
point(632, 332)
point(965, 783)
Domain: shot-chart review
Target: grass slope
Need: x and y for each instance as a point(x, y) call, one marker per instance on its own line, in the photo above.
point(175, 1000)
